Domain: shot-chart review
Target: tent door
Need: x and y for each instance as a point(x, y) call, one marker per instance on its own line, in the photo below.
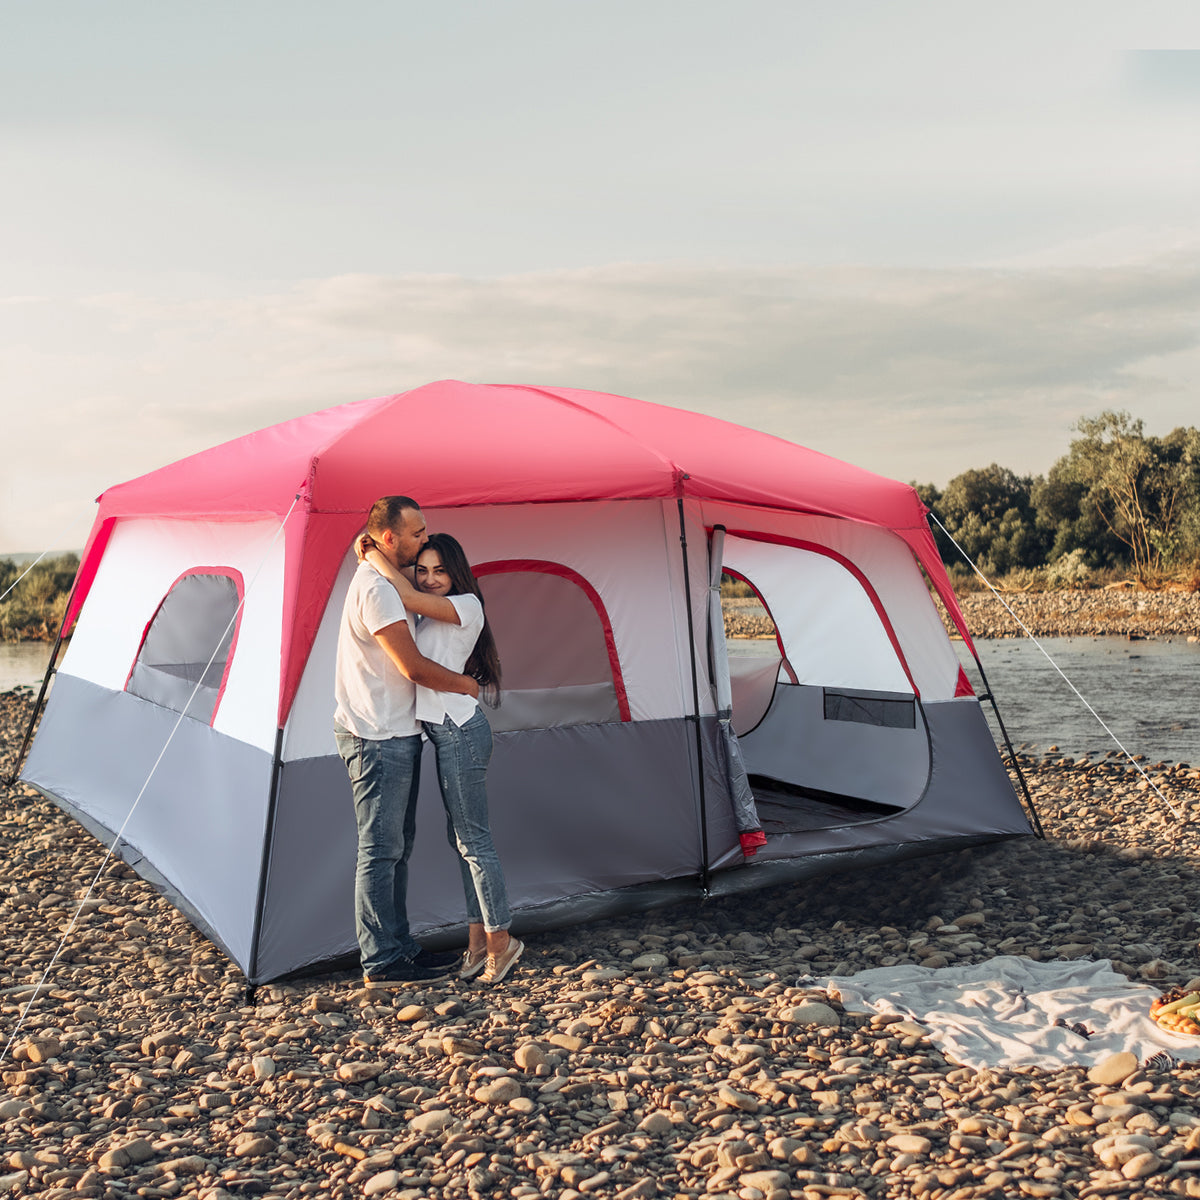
point(827, 723)
point(732, 766)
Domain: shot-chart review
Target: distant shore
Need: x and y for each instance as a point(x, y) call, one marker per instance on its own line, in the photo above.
point(1120, 613)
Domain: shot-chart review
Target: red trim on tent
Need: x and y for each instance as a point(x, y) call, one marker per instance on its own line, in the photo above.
point(511, 566)
point(89, 564)
point(963, 686)
point(779, 539)
point(231, 573)
point(778, 640)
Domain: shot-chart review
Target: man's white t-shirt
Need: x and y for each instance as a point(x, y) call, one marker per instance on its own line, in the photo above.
point(450, 645)
point(375, 700)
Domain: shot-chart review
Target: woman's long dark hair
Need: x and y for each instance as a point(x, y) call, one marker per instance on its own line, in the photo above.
point(483, 664)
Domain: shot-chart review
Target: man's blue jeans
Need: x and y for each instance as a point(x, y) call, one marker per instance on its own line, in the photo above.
point(384, 776)
point(462, 757)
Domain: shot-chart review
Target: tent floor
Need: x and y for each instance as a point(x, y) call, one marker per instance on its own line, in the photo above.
point(789, 808)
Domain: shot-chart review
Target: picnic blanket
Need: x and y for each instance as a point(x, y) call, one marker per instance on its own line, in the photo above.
point(1013, 1011)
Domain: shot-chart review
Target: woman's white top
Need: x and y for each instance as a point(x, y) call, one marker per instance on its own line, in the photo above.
point(451, 646)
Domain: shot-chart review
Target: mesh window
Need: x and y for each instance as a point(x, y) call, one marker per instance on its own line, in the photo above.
point(866, 708)
point(553, 653)
point(195, 619)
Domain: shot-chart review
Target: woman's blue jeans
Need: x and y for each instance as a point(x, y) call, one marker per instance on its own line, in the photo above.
point(384, 776)
point(462, 758)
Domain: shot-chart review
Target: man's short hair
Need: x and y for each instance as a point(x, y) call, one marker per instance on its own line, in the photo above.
point(388, 513)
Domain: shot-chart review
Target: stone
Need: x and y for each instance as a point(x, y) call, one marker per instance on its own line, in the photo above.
point(253, 1145)
point(432, 1122)
point(909, 1143)
point(1141, 1165)
point(1114, 1069)
point(360, 1072)
point(765, 1181)
point(529, 1056)
point(263, 1066)
point(655, 1123)
point(470, 1047)
point(811, 1013)
point(652, 961)
point(502, 1091)
point(732, 1098)
point(568, 1041)
point(385, 1181)
point(139, 1150)
point(42, 1049)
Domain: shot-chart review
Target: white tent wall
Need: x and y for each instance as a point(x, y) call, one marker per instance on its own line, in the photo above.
point(893, 573)
point(141, 562)
point(194, 818)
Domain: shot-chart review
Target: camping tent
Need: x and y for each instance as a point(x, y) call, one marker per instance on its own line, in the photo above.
point(635, 757)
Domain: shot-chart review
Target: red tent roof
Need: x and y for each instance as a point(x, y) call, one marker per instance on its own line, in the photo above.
point(451, 444)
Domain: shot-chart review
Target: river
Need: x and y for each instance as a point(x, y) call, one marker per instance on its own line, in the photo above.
point(1146, 691)
point(23, 663)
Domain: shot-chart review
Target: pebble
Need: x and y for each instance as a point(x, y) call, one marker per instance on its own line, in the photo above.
point(676, 1053)
point(1114, 1069)
point(812, 1013)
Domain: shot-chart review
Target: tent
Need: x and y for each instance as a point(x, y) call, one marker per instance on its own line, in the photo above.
point(637, 760)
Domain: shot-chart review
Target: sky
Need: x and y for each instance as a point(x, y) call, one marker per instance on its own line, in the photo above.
point(921, 237)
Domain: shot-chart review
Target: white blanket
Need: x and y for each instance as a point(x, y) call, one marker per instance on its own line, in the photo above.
point(1002, 1012)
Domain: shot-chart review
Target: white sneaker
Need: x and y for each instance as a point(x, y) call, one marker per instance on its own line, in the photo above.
point(498, 965)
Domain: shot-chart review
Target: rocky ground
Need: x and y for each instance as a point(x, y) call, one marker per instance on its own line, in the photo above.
point(1123, 612)
point(672, 1054)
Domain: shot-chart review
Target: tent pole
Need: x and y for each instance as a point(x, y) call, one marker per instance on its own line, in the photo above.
point(268, 840)
point(41, 700)
point(1012, 754)
point(687, 592)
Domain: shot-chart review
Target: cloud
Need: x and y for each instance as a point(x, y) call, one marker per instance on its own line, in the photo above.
point(912, 373)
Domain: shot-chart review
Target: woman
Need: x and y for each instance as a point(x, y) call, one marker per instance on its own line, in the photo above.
point(454, 632)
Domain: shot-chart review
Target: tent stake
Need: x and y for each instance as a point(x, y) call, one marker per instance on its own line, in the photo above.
point(687, 593)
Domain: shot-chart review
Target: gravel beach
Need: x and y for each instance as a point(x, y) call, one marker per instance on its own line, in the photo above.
point(668, 1054)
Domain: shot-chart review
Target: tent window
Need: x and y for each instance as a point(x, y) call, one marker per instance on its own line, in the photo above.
point(870, 708)
point(185, 652)
point(557, 653)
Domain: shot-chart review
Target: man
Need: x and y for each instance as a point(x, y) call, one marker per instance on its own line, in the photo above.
point(378, 666)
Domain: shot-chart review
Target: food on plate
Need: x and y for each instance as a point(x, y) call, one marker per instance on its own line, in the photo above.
point(1178, 1011)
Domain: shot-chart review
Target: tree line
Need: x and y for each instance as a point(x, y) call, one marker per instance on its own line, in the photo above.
point(1119, 501)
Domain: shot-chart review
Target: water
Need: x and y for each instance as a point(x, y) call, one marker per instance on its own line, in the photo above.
point(23, 663)
point(1147, 692)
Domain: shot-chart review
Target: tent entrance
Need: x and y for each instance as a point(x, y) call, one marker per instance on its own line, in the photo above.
point(825, 716)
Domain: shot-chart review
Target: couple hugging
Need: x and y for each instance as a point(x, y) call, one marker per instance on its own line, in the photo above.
point(395, 680)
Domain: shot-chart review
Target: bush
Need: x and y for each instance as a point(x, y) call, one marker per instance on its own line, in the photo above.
point(1069, 571)
point(34, 607)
